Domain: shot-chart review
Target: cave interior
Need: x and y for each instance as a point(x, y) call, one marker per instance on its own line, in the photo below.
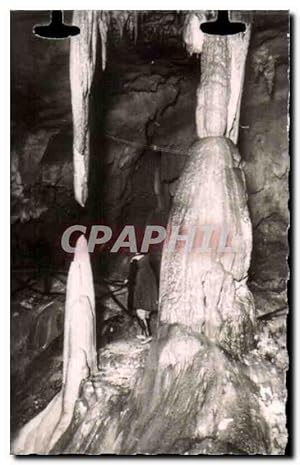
point(142, 122)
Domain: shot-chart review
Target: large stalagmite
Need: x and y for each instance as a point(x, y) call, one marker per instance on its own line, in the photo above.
point(208, 291)
point(206, 288)
point(40, 434)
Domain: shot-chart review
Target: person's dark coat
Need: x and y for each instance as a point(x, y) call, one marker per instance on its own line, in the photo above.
point(143, 291)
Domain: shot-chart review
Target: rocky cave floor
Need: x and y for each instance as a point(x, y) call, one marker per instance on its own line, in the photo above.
point(37, 360)
point(37, 321)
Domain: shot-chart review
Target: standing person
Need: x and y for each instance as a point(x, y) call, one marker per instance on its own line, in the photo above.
point(142, 293)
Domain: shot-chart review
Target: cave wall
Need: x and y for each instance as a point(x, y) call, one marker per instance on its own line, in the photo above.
point(40, 91)
point(149, 102)
point(265, 150)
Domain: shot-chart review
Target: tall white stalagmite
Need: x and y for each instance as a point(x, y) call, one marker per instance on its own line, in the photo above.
point(79, 356)
point(80, 289)
point(41, 433)
point(207, 288)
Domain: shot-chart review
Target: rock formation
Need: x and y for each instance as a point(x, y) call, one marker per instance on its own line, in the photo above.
point(79, 355)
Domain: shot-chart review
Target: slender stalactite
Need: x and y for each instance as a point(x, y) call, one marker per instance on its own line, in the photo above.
point(82, 67)
point(223, 60)
point(83, 55)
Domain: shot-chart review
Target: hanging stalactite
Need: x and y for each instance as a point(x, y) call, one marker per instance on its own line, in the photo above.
point(223, 60)
point(83, 56)
point(82, 67)
point(103, 23)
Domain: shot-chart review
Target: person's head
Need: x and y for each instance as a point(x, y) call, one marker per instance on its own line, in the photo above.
point(137, 257)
